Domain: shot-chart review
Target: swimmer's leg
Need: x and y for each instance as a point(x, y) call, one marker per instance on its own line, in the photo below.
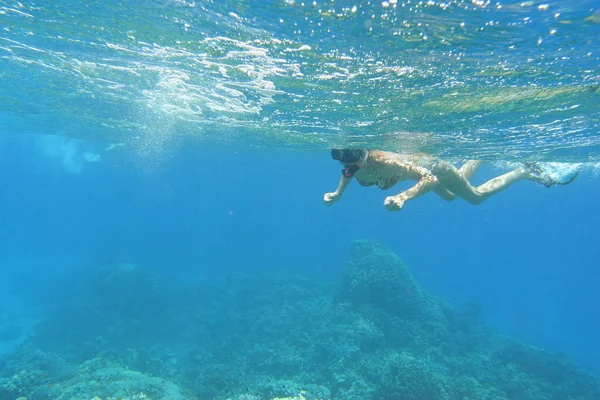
point(500, 183)
point(469, 168)
point(444, 193)
point(451, 179)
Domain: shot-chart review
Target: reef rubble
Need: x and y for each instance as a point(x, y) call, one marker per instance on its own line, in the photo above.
point(127, 333)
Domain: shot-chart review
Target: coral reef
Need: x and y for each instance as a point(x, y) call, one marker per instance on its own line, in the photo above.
point(377, 335)
point(94, 379)
point(124, 304)
point(377, 277)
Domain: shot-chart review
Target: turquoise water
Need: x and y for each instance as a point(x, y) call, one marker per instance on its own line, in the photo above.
point(164, 233)
point(485, 79)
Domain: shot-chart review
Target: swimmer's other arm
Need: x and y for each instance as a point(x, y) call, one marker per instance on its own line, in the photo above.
point(425, 184)
point(331, 198)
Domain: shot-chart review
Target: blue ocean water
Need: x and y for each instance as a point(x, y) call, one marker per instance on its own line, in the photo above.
point(192, 139)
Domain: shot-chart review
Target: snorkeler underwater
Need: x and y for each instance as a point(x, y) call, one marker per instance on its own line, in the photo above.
point(167, 166)
point(385, 169)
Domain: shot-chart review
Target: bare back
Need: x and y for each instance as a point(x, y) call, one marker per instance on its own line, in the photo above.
point(384, 169)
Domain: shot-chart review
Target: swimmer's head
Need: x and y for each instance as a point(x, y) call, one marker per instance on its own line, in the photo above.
point(348, 156)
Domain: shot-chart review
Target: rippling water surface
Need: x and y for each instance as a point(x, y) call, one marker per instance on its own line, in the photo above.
point(496, 80)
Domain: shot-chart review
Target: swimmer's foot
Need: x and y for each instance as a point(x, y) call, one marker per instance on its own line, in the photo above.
point(539, 174)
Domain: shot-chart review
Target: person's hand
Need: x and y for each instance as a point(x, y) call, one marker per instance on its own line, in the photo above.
point(330, 198)
point(393, 203)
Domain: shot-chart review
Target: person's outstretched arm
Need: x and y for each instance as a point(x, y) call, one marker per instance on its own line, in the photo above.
point(425, 184)
point(331, 198)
